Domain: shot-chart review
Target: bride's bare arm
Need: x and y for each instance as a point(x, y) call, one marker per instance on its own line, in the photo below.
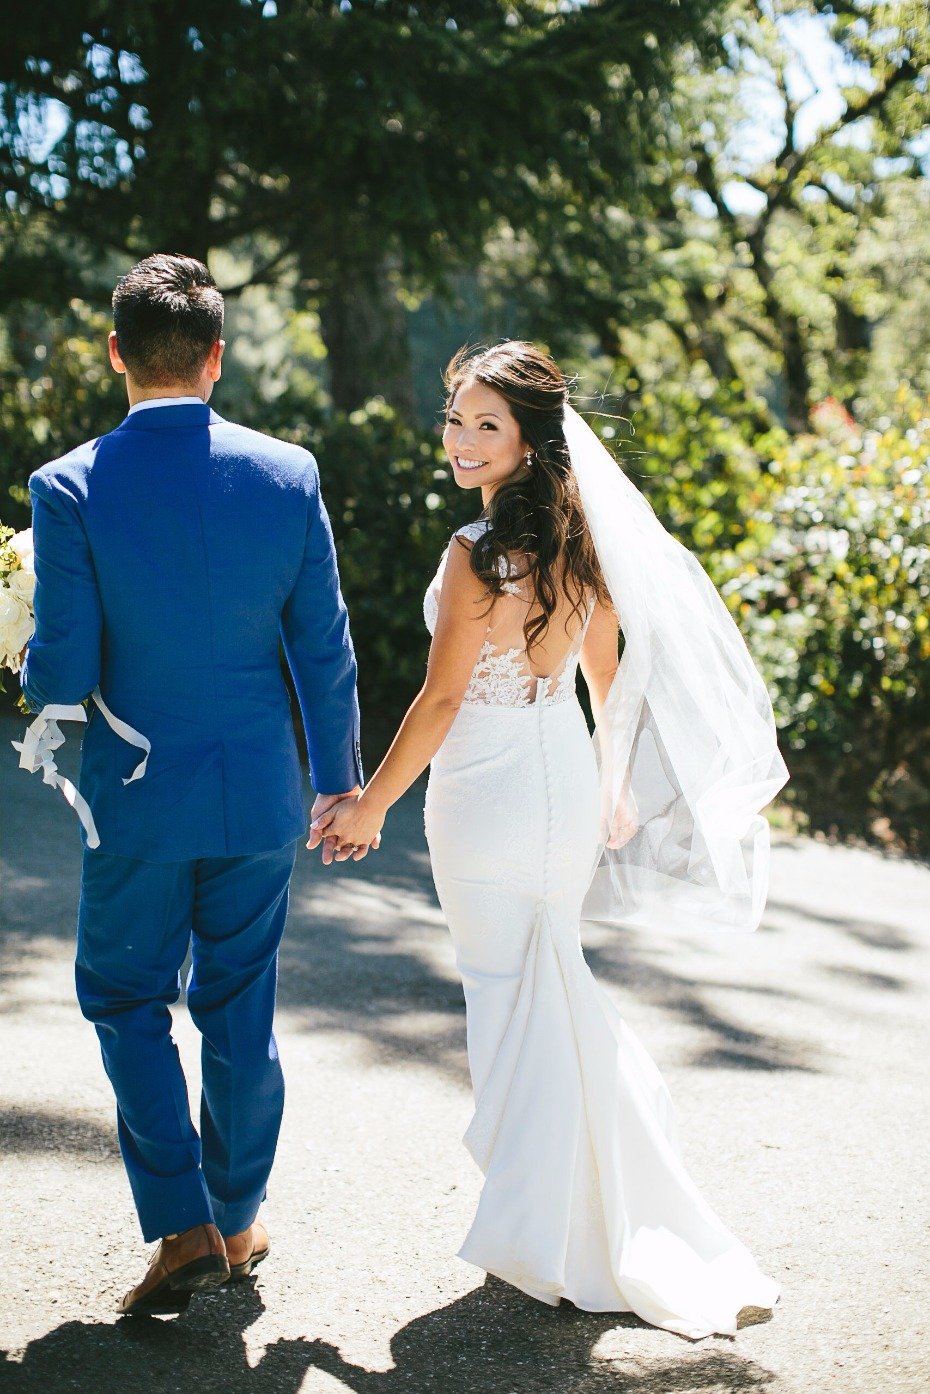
point(599, 655)
point(460, 630)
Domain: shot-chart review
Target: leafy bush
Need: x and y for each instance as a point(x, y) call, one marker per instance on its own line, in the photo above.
point(393, 507)
point(56, 389)
point(695, 449)
point(820, 544)
point(831, 586)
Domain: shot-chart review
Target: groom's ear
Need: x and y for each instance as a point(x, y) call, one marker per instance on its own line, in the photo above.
point(116, 361)
point(214, 363)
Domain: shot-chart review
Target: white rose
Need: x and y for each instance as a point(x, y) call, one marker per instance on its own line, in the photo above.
point(16, 627)
point(23, 584)
point(21, 543)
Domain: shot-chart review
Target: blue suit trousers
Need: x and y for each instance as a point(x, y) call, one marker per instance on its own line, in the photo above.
point(136, 922)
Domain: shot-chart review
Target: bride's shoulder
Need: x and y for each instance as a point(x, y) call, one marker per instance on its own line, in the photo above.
point(462, 577)
point(472, 531)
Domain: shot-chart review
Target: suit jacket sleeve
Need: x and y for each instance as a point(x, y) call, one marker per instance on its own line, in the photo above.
point(315, 631)
point(63, 659)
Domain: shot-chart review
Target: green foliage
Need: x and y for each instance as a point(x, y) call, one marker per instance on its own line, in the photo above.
point(56, 389)
point(820, 545)
point(895, 252)
point(375, 146)
point(774, 226)
point(389, 120)
point(693, 447)
point(831, 585)
point(393, 507)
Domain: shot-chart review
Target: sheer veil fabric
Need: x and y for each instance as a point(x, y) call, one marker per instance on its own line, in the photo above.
point(686, 742)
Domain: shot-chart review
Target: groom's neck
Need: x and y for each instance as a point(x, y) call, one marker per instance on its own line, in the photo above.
point(150, 394)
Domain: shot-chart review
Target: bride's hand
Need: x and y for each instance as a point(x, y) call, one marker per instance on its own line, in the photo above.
point(352, 826)
point(621, 832)
point(623, 825)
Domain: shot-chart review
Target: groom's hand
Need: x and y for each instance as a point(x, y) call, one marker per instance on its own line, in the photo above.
point(321, 804)
point(331, 850)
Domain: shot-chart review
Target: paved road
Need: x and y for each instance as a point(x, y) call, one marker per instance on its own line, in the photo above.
point(797, 1058)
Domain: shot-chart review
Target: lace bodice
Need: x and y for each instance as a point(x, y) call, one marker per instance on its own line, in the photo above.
point(502, 676)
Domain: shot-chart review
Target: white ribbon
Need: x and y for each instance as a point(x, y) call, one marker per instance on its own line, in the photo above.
point(128, 734)
point(44, 737)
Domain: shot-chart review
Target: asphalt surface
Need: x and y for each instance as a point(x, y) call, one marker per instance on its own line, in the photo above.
point(797, 1057)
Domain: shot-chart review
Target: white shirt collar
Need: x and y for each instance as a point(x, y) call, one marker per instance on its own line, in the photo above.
point(167, 402)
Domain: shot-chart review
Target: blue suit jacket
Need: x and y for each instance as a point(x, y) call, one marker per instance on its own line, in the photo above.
point(171, 557)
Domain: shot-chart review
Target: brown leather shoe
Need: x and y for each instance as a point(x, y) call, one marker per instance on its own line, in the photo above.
point(183, 1263)
point(246, 1249)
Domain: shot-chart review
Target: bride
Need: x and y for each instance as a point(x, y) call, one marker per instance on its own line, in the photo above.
point(532, 827)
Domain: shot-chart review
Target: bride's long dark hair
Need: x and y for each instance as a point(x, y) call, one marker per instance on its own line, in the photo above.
point(537, 513)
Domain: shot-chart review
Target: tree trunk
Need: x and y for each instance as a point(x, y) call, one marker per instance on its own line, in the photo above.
point(788, 326)
point(700, 338)
point(707, 343)
point(364, 328)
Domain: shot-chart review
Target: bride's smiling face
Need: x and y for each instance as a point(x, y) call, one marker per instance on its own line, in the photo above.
point(482, 438)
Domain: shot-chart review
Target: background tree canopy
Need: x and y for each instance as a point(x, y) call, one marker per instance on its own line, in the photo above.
point(716, 214)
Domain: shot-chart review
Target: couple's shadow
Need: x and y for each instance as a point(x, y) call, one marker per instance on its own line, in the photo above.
point(491, 1341)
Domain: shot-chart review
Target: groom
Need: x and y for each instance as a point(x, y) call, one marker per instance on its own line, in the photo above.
point(172, 556)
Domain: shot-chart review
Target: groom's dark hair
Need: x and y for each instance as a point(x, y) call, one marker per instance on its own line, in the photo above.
point(168, 314)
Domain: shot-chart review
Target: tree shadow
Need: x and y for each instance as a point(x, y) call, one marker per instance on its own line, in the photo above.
point(366, 952)
point(862, 977)
point(873, 936)
point(494, 1340)
point(33, 1131)
point(731, 1045)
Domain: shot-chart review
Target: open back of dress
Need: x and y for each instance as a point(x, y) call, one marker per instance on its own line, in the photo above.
point(505, 675)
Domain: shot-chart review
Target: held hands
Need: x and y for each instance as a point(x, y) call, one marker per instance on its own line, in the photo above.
point(346, 824)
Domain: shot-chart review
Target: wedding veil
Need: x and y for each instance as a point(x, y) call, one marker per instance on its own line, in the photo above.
point(686, 741)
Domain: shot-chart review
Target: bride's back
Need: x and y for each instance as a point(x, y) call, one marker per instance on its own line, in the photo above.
point(519, 606)
point(506, 674)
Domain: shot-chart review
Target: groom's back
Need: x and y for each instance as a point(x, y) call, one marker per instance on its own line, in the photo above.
point(197, 534)
point(201, 537)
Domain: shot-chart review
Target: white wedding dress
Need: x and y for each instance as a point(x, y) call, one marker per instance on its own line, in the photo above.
point(585, 1195)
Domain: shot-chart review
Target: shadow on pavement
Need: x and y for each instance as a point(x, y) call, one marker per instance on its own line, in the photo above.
point(31, 1131)
point(366, 951)
point(871, 935)
point(493, 1340)
point(733, 1046)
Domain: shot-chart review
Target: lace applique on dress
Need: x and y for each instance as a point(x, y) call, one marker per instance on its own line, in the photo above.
point(564, 681)
point(473, 530)
point(498, 679)
point(502, 677)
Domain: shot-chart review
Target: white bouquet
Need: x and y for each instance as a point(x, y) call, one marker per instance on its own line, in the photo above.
point(17, 588)
point(43, 738)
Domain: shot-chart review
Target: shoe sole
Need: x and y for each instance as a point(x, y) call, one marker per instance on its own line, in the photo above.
point(240, 1271)
point(752, 1316)
point(173, 1294)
